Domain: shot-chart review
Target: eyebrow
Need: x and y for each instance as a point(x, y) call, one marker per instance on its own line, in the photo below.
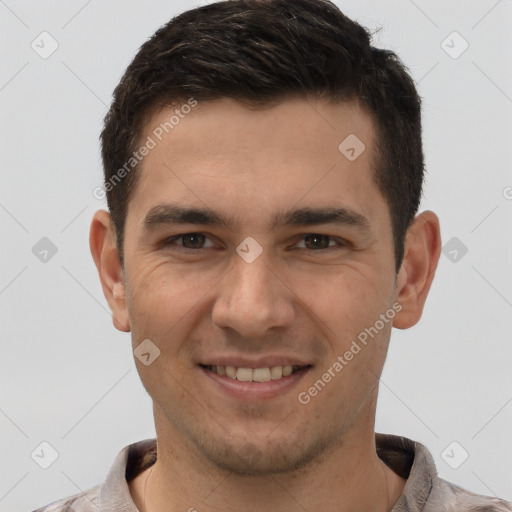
point(165, 214)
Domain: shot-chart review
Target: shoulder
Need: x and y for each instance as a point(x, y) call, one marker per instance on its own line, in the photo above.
point(448, 497)
point(424, 489)
point(86, 501)
point(114, 493)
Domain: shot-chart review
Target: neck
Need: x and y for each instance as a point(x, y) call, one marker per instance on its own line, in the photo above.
point(346, 477)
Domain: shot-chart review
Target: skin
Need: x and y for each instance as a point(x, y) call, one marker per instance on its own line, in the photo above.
point(294, 299)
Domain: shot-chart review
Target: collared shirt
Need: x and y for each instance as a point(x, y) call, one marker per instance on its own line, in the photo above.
point(423, 492)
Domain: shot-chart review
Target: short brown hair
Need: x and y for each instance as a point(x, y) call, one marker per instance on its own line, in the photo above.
point(260, 52)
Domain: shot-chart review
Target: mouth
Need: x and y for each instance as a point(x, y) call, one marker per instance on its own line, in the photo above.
point(263, 374)
point(254, 383)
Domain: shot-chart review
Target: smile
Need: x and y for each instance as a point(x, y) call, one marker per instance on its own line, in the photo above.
point(254, 383)
point(264, 374)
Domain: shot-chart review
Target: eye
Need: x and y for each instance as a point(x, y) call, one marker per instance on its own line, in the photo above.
point(315, 241)
point(192, 241)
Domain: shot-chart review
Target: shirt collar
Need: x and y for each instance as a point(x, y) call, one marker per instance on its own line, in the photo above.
point(410, 460)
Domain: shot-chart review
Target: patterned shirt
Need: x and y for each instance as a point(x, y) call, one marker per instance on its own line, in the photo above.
point(423, 492)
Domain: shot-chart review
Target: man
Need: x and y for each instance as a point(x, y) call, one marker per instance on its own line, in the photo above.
point(263, 170)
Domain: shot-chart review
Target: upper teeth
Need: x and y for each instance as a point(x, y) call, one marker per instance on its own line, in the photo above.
point(253, 375)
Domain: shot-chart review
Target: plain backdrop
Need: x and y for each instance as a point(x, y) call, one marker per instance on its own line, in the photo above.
point(67, 377)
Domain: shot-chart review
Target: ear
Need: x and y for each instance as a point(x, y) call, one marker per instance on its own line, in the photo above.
point(102, 241)
point(421, 255)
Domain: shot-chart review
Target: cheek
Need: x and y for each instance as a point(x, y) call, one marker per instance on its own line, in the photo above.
point(162, 290)
point(351, 306)
point(348, 298)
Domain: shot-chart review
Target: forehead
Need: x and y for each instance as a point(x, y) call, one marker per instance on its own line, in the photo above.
point(225, 155)
point(230, 126)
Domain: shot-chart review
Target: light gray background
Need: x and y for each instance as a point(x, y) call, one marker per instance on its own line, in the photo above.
point(68, 377)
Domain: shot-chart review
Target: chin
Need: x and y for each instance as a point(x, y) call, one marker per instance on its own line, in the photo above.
point(263, 458)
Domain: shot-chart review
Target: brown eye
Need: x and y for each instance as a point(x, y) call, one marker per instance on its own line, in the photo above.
point(316, 241)
point(189, 242)
point(193, 240)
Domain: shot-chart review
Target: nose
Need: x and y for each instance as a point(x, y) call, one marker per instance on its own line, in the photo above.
point(253, 299)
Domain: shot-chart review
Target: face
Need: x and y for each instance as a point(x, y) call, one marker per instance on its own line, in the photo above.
point(266, 289)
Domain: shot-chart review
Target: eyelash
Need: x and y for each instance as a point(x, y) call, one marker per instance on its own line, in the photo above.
point(170, 241)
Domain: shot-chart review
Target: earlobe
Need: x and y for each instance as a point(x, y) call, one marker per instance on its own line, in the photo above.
point(102, 243)
point(421, 256)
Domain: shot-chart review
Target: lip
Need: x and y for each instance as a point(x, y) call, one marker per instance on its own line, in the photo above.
point(255, 390)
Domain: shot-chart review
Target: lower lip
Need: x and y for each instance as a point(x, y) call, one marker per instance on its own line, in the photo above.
point(255, 390)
